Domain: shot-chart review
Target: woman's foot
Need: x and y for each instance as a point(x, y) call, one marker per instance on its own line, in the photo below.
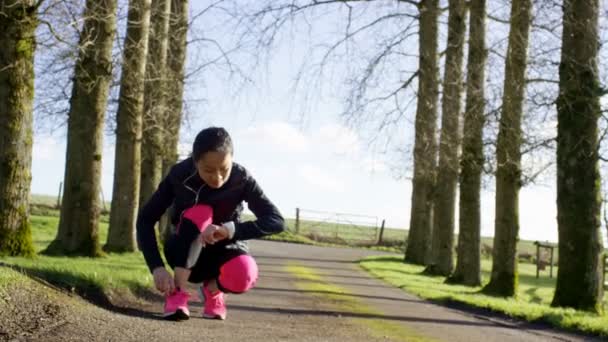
point(213, 303)
point(176, 306)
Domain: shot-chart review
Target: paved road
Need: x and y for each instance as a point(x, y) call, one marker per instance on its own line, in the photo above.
point(280, 309)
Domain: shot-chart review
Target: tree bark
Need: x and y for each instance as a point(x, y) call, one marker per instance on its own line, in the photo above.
point(155, 94)
point(18, 22)
point(176, 60)
point(579, 276)
point(442, 255)
point(468, 266)
point(176, 63)
point(127, 166)
point(79, 219)
point(503, 281)
point(425, 145)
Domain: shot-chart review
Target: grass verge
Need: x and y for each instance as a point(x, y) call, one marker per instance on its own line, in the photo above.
point(96, 279)
point(310, 280)
point(532, 302)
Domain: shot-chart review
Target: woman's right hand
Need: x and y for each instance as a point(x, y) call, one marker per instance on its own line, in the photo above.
point(163, 280)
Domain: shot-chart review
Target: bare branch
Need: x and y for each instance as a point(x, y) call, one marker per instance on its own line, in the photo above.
point(541, 80)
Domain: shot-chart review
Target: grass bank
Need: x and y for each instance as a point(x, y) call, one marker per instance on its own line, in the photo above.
point(114, 274)
point(532, 302)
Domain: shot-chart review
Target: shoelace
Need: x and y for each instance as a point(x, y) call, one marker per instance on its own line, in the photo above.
point(216, 300)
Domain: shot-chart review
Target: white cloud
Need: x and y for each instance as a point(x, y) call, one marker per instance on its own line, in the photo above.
point(278, 135)
point(47, 149)
point(184, 150)
point(373, 165)
point(319, 179)
point(339, 139)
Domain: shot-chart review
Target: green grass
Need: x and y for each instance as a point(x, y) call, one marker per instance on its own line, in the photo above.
point(322, 234)
point(288, 236)
point(115, 273)
point(532, 303)
point(310, 280)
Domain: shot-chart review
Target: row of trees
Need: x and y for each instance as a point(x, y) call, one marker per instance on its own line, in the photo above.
point(149, 111)
point(149, 108)
point(458, 155)
point(578, 178)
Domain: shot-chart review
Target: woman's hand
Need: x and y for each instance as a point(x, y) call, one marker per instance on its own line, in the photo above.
point(213, 234)
point(163, 280)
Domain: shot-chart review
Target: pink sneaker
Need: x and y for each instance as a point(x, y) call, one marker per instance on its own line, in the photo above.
point(176, 306)
point(214, 305)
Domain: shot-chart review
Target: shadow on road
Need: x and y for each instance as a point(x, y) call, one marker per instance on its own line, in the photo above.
point(304, 259)
point(348, 314)
point(270, 289)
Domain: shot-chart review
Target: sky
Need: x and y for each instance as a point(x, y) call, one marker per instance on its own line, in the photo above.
point(312, 161)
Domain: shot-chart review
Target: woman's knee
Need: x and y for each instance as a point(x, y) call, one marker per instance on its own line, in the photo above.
point(238, 274)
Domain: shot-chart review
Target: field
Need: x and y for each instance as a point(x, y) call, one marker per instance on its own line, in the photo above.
point(329, 233)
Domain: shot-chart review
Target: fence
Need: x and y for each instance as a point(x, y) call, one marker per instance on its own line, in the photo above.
point(338, 227)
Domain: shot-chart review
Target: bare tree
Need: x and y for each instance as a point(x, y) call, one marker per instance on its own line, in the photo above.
point(176, 58)
point(468, 266)
point(78, 223)
point(18, 22)
point(579, 279)
point(503, 281)
point(442, 258)
point(154, 99)
point(425, 145)
point(127, 165)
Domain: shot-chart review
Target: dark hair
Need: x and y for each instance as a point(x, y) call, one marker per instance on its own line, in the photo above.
point(212, 139)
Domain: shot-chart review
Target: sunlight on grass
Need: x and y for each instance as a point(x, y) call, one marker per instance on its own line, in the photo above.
point(114, 272)
point(532, 302)
point(311, 281)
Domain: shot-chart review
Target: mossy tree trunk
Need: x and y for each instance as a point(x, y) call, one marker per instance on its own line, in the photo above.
point(18, 22)
point(579, 276)
point(176, 66)
point(127, 166)
point(442, 255)
point(503, 281)
point(425, 144)
point(155, 94)
point(79, 219)
point(468, 266)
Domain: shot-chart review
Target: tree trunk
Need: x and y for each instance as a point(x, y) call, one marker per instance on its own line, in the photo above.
point(127, 166)
point(442, 258)
point(18, 23)
point(468, 266)
point(503, 281)
point(78, 223)
point(425, 145)
point(176, 60)
point(154, 100)
point(579, 276)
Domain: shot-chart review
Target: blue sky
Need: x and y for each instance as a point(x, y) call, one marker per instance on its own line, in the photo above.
point(312, 161)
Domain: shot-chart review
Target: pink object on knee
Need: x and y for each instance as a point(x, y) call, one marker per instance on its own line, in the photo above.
point(239, 274)
point(201, 215)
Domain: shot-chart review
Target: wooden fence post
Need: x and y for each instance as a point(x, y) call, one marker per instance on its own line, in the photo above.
point(58, 205)
point(297, 220)
point(381, 235)
point(551, 265)
point(537, 258)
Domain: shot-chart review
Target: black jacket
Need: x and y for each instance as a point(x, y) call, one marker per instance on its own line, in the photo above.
point(183, 188)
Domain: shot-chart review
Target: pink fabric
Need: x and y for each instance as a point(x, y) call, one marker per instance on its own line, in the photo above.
point(201, 215)
point(239, 274)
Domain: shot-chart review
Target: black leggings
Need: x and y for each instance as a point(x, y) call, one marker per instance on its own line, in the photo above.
point(208, 265)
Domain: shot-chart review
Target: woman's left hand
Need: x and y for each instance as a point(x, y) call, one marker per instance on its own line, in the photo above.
point(213, 234)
